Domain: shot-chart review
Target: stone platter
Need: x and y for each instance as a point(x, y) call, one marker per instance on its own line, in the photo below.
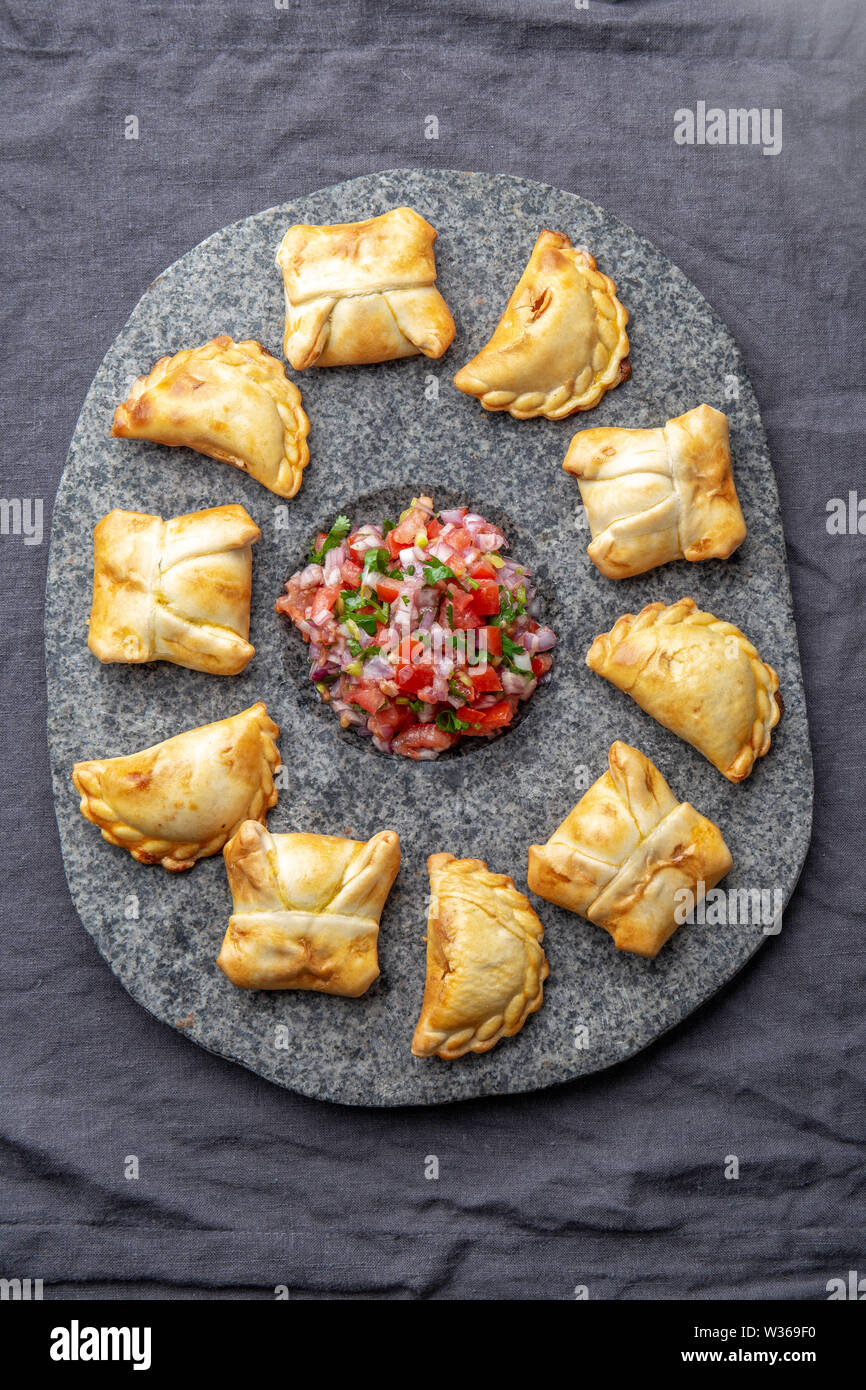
point(379, 435)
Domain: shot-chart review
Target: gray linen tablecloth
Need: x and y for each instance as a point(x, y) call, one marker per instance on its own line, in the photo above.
point(616, 1184)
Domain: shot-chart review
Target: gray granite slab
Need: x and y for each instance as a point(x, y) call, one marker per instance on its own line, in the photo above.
point(379, 435)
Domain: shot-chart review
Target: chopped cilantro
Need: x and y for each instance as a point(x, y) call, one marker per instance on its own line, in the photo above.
point(510, 651)
point(435, 573)
point(376, 558)
point(357, 650)
point(367, 622)
point(447, 721)
point(509, 610)
point(338, 532)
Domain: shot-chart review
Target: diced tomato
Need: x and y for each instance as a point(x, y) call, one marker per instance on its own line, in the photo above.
point(465, 614)
point(433, 528)
point(356, 551)
point(385, 723)
point(297, 602)
point(496, 717)
point(324, 602)
point(351, 573)
point(411, 679)
point(466, 620)
point(388, 590)
point(493, 640)
point(541, 664)
point(460, 540)
point(421, 737)
point(485, 599)
point(486, 680)
point(368, 696)
point(482, 569)
point(405, 533)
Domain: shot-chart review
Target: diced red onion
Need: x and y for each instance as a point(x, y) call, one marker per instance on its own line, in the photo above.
point(509, 579)
point(521, 686)
point(488, 540)
point(453, 516)
point(545, 638)
point(377, 669)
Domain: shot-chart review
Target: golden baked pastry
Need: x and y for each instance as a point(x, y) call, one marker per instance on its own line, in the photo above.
point(306, 909)
point(231, 401)
point(182, 799)
point(361, 292)
point(697, 675)
point(624, 853)
point(561, 342)
point(657, 495)
point(485, 963)
point(175, 590)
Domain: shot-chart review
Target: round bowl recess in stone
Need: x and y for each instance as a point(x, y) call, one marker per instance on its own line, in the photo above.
point(390, 502)
point(402, 426)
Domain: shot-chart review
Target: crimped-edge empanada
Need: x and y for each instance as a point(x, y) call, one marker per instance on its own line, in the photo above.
point(660, 494)
point(485, 963)
point(182, 799)
point(561, 342)
point(306, 909)
point(231, 401)
point(175, 590)
point(362, 292)
point(624, 853)
point(697, 675)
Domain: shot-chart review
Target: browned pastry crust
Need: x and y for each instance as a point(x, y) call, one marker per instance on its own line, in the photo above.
point(175, 590)
point(657, 495)
point(230, 401)
point(561, 342)
point(306, 909)
point(182, 799)
point(698, 676)
point(362, 292)
point(625, 851)
point(485, 963)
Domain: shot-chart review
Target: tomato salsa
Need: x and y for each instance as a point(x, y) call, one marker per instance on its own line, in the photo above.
point(421, 632)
